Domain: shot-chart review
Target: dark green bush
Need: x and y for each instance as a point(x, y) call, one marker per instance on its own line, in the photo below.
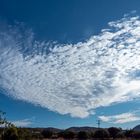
point(83, 135)
point(47, 133)
point(114, 131)
point(136, 134)
point(67, 134)
point(101, 133)
point(10, 134)
point(120, 135)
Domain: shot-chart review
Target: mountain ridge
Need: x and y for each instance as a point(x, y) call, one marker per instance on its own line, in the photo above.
point(137, 127)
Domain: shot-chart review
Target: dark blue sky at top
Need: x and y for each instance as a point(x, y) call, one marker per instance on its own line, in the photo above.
point(65, 21)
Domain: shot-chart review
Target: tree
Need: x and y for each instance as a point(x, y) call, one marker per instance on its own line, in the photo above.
point(47, 133)
point(101, 133)
point(2, 118)
point(129, 133)
point(136, 135)
point(67, 134)
point(114, 131)
point(9, 131)
point(24, 134)
point(3, 121)
point(83, 135)
point(10, 134)
point(60, 134)
point(120, 135)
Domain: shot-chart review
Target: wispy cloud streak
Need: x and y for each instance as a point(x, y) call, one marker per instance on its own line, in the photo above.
point(77, 78)
point(22, 123)
point(121, 118)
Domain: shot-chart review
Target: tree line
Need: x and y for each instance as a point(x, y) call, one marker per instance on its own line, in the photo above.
point(8, 131)
point(106, 134)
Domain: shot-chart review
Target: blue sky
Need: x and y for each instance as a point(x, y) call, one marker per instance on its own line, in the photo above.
point(82, 74)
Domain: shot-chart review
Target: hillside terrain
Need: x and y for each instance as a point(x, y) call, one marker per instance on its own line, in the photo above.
point(137, 128)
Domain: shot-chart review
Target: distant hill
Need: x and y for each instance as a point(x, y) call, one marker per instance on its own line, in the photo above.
point(56, 130)
point(137, 127)
point(53, 129)
point(77, 129)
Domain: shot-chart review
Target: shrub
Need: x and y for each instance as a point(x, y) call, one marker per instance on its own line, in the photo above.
point(136, 134)
point(113, 131)
point(24, 134)
point(47, 133)
point(120, 135)
point(101, 133)
point(67, 134)
point(129, 133)
point(83, 135)
point(10, 134)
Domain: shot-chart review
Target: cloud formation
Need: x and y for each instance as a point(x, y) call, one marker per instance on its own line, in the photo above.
point(121, 118)
point(77, 78)
point(22, 123)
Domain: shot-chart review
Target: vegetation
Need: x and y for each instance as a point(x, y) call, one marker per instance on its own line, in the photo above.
point(101, 133)
point(67, 134)
point(10, 132)
point(13, 133)
point(113, 131)
point(83, 135)
point(47, 133)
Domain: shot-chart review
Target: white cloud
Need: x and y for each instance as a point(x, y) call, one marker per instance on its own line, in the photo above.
point(121, 118)
point(77, 78)
point(22, 123)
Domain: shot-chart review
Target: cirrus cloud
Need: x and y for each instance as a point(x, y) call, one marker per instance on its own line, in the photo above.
point(22, 123)
point(121, 118)
point(76, 78)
